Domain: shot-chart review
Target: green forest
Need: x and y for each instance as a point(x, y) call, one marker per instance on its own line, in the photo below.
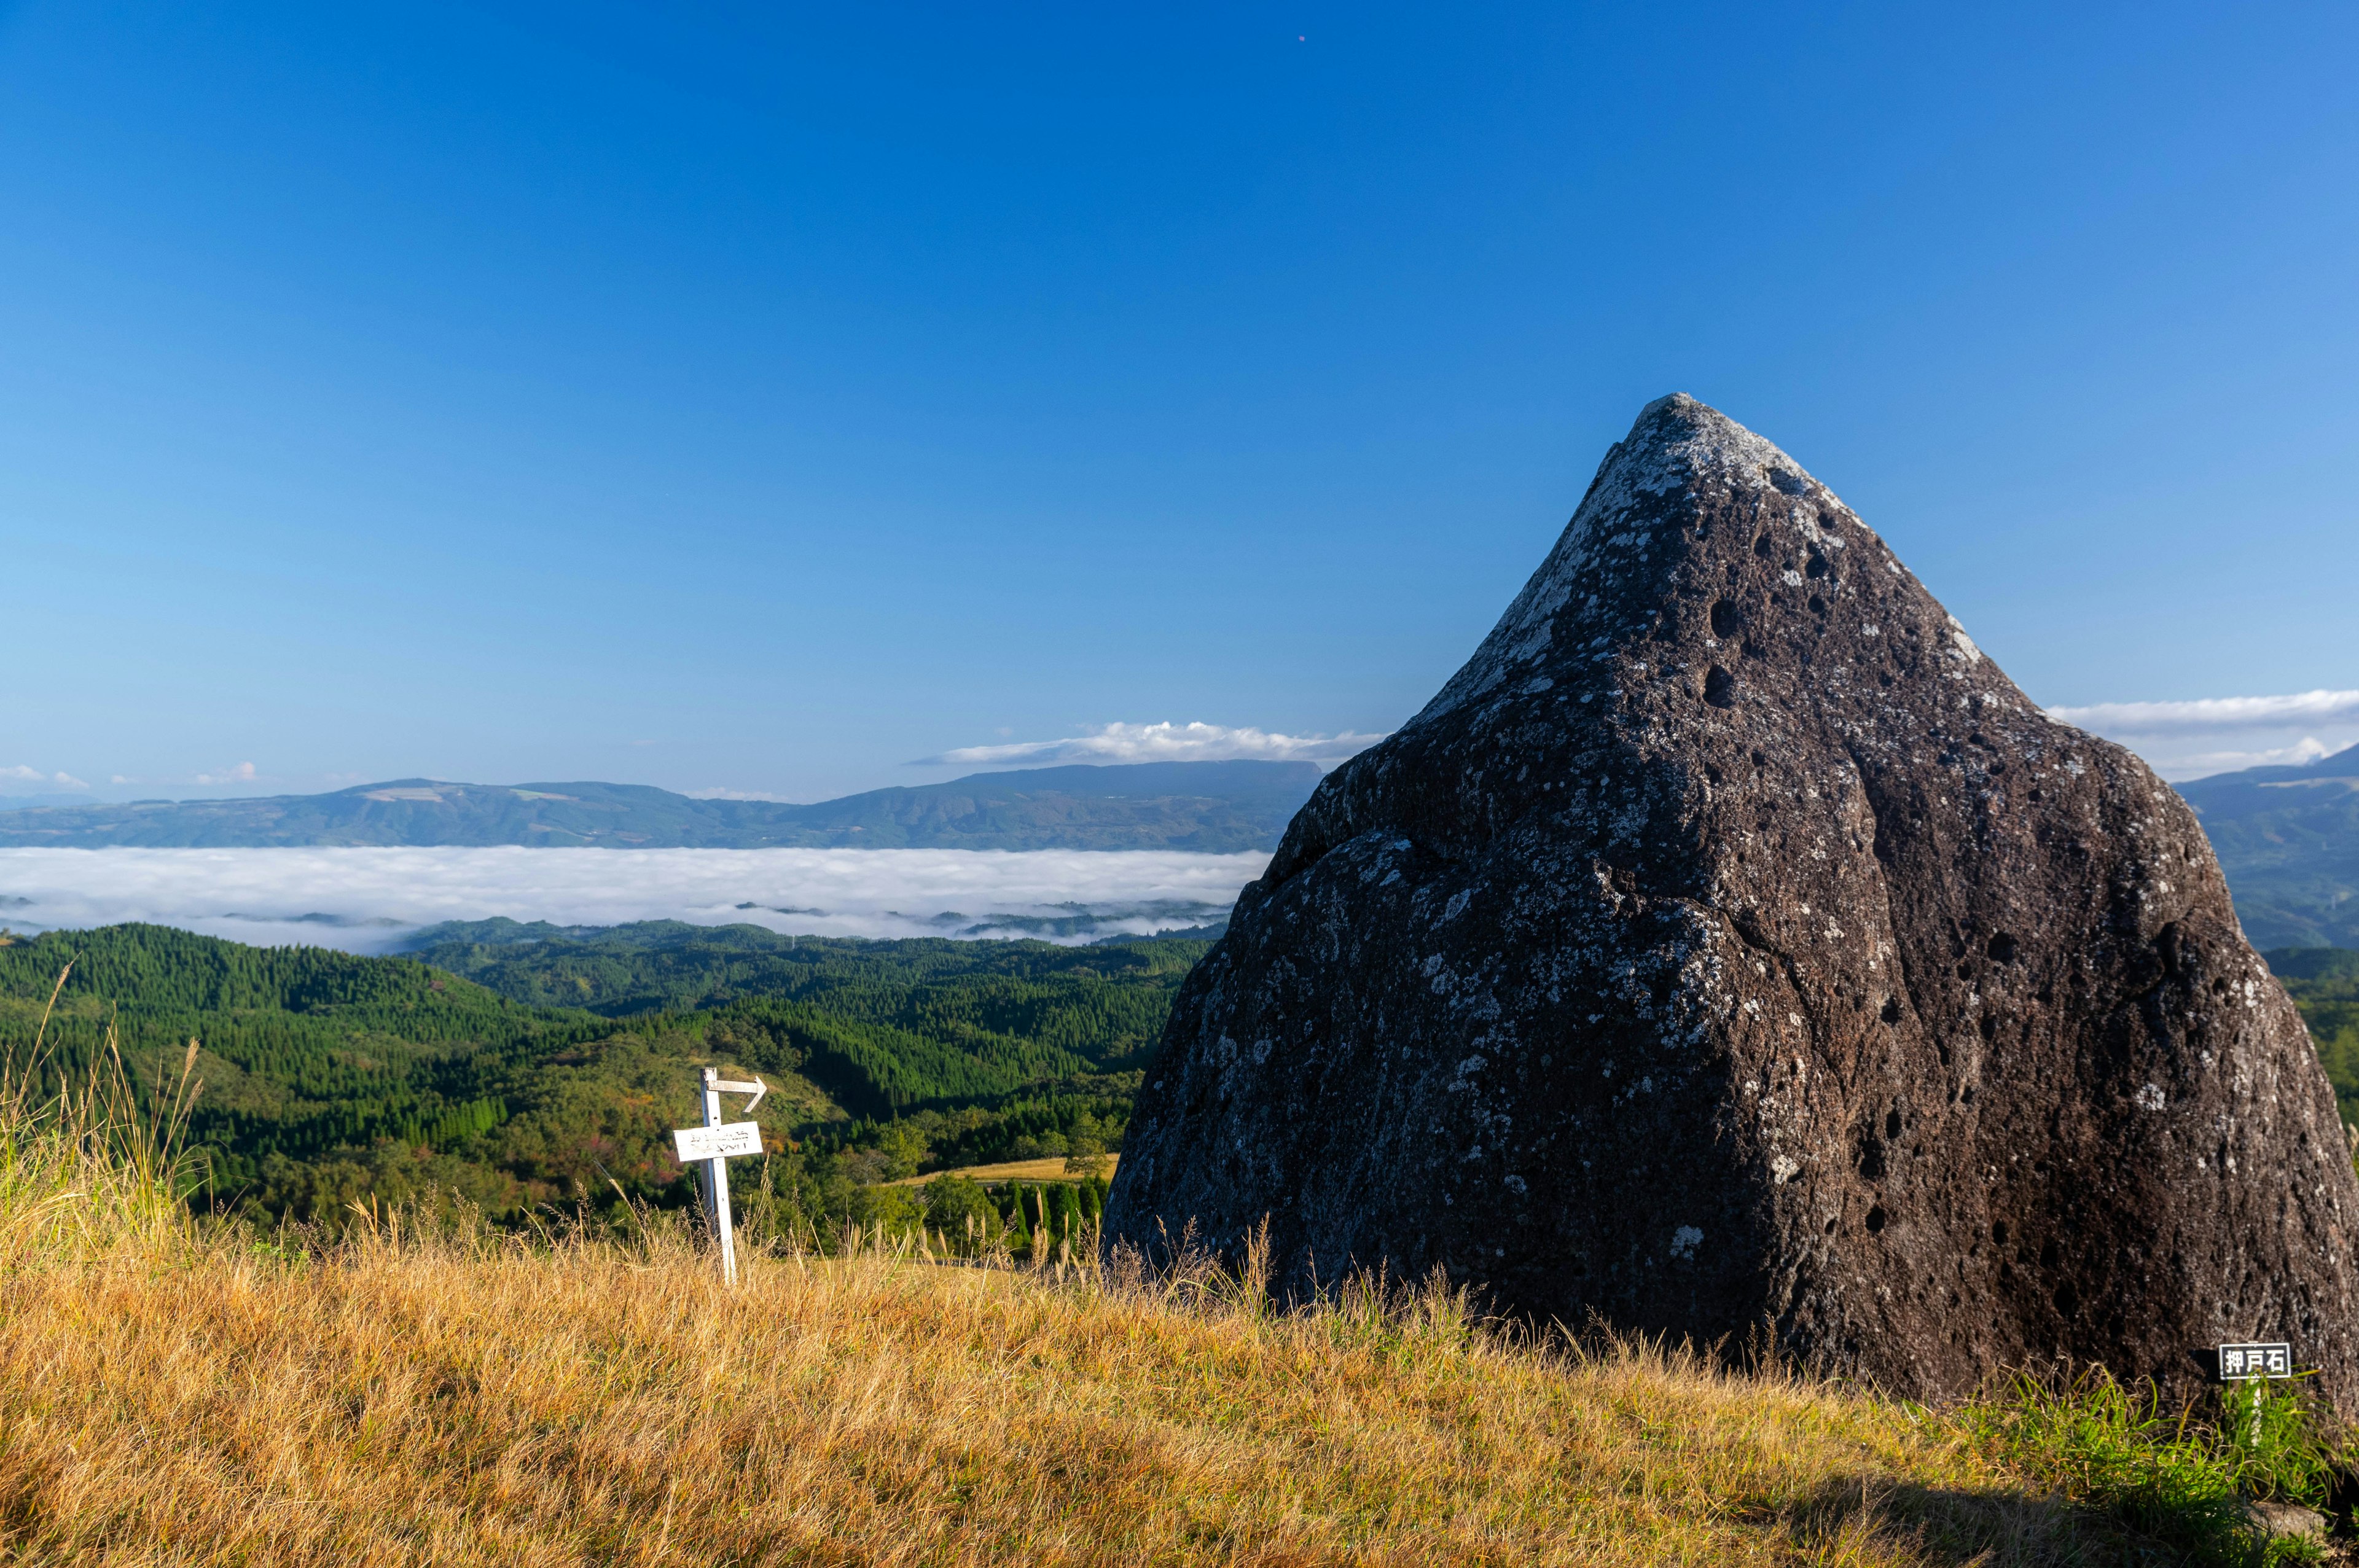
point(2324, 983)
point(330, 1080)
point(1076, 995)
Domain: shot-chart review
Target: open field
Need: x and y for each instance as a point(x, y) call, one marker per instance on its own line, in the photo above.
point(1052, 1170)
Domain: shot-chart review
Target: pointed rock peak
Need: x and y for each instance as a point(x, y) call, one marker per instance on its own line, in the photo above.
point(1682, 482)
point(1677, 441)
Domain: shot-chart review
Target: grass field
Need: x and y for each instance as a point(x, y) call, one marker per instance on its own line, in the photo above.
point(1011, 1170)
point(414, 1401)
point(178, 1392)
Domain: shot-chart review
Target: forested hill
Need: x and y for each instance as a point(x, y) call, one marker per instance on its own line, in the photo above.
point(2324, 983)
point(667, 965)
point(2287, 839)
point(1207, 807)
point(328, 1078)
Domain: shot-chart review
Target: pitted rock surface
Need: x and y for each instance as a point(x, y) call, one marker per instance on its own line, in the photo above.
point(1731, 951)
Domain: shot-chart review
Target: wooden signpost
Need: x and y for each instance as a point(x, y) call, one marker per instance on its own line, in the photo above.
point(714, 1145)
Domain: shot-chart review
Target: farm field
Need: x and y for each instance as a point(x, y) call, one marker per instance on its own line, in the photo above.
point(1010, 1171)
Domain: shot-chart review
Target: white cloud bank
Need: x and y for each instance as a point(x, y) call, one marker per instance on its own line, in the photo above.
point(2220, 734)
point(368, 900)
point(1165, 742)
point(19, 773)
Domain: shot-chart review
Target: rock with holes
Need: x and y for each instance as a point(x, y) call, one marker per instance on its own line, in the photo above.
point(1731, 952)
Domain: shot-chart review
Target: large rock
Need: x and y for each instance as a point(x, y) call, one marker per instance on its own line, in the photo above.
point(1732, 949)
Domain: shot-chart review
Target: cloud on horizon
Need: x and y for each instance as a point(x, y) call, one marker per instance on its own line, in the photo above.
point(19, 773)
point(1165, 742)
point(2192, 739)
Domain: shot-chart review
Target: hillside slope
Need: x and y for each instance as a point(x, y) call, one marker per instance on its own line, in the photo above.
point(2287, 839)
point(584, 1408)
point(1206, 808)
point(330, 1078)
point(198, 1396)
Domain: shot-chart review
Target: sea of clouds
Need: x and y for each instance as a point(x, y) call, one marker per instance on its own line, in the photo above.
point(370, 901)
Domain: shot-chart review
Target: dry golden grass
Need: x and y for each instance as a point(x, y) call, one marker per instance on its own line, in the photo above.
point(171, 1395)
point(1049, 1170)
point(473, 1400)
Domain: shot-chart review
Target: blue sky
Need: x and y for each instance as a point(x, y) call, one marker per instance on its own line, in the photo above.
point(762, 398)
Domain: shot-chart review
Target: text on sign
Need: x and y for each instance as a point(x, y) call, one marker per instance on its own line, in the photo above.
point(723, 1142)
point(2256, 1361)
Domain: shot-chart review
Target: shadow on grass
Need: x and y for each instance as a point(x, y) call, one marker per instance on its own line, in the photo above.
point(1954, 1527)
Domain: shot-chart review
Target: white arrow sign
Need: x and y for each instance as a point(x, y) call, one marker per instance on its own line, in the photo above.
point(757, 1089)
point(723, 1142)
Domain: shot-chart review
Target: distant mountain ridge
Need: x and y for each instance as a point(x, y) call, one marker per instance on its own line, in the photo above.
point(1206, 808)
point(2287, 839)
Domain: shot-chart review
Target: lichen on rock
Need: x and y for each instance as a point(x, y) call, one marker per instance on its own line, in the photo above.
point(1730, 950)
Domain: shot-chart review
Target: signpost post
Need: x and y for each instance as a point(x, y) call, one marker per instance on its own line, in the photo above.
point(714, 1145)
point(2245, 1363)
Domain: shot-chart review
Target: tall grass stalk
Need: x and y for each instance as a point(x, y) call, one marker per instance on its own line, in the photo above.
point(83, 1173)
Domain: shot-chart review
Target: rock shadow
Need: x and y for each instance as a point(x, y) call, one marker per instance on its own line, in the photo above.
point(1955, 1527)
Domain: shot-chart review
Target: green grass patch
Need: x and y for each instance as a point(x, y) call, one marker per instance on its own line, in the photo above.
point(2179, 1479)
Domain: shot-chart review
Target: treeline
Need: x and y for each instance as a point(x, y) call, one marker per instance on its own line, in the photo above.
point(808, 1196)
point(1075, 997)
point(1084, 1121)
